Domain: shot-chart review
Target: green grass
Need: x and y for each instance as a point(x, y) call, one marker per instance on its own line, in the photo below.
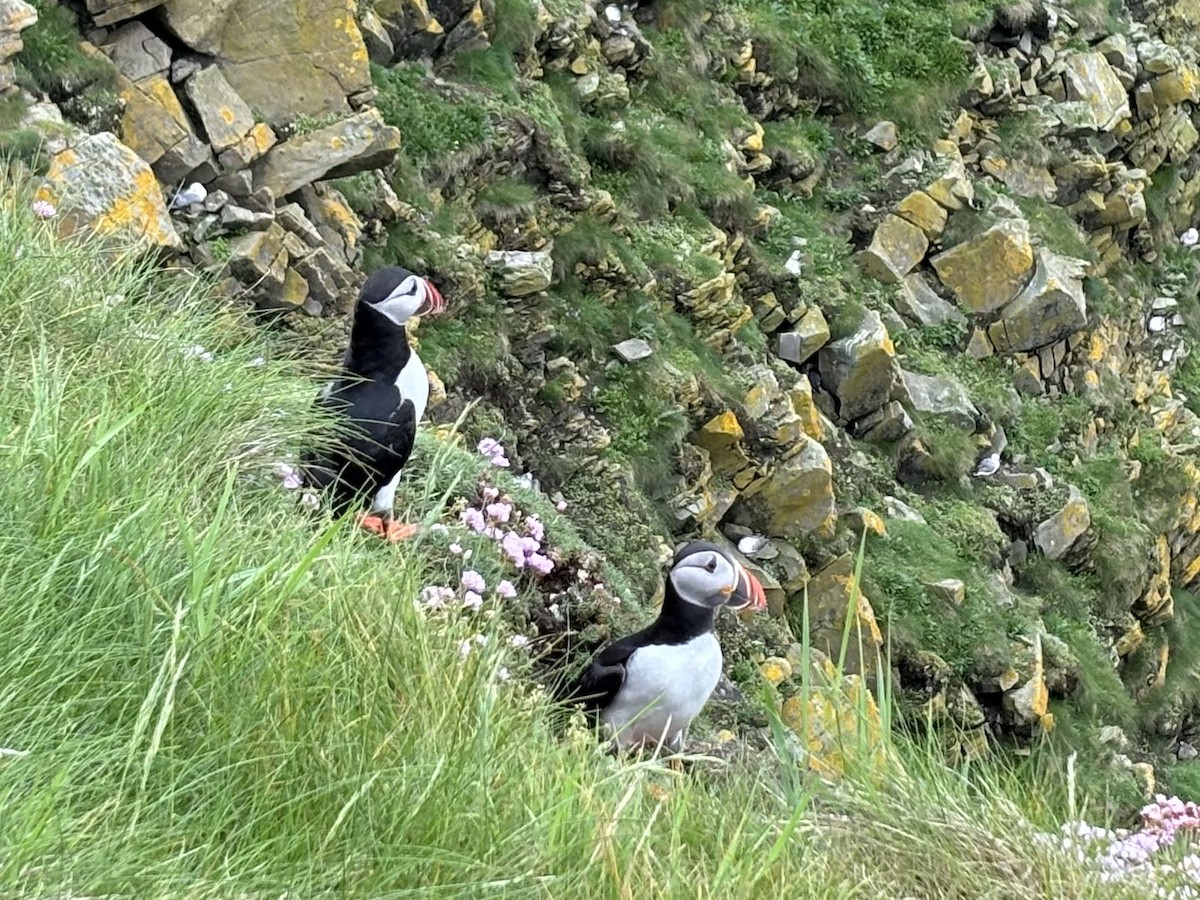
point(221, 695)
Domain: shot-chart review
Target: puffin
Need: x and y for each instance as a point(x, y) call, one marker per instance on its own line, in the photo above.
point(381, 390)
point(649, 686)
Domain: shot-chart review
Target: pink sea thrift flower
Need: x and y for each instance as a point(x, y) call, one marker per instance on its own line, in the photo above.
point(501, 512)
point(506, 589)
point(472, 601)
point(473, 519)
point(541, 564)
point(513, 546)
point(289, 476)
point(473, 581)
point(43, 209)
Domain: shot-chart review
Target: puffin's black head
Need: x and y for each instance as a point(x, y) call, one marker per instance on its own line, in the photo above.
point(704, 574)
point(393, 295)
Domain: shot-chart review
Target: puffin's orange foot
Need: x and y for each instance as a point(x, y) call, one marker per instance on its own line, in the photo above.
point(388, 529)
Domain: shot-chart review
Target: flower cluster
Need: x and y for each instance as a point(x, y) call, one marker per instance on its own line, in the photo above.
point(469, 595)
point(1163, 855)
point(290, 478)
point(493, 450)
point(520, 536)
point(43, 209)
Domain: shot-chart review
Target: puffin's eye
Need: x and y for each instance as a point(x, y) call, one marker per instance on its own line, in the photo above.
point(711, 565)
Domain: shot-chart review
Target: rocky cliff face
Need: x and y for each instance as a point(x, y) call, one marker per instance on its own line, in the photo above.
point(766, 274)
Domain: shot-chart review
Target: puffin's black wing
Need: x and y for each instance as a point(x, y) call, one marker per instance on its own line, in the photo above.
point(375, 447)
point(598, 685)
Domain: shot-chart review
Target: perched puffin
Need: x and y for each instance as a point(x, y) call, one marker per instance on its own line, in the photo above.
point(382, 389)
point(649, 686)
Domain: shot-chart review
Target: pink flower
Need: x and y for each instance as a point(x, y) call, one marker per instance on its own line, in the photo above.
point(43, 209)
point(500, 461)
point(506, 589)
point(501, 512)
point(473, 519)
point(435, 597)
point(456, 548)
point(490, 493)
point(503, 674)
point(309, 500)
point(473, 581)
point(535, 527)
point(518, 641)
point(490, 447)
point(561, 505)
point(514, 548)
point(540, 563)
point(472, 601)
point(530, 545)
point(289, 476)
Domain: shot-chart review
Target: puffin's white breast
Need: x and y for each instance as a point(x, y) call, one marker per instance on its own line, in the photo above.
point(413, 384)
point(665, 687)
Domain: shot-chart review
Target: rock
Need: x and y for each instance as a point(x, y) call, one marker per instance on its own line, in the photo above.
point(720, 432)
point(986, 272)
point(952, 188)
point(1051, 307)
point(226, 117)
point(806, 409)
point(1057, 535)
point(861, 370)
point(979, 347)
point(253, 146)
point(352, 145)
point(811, 334)
point(1025, 179)
point(896, 248)
point(293, 219)
point(832, 593)
point(106, 12)
point(633, 349)
point(283, 57)
point(259, 259)
point(101, 185)
point(951, 590)
point(914, 463)
point(1030, 702)
point(918, 302)
point(923, 211)
point(1096, 99)
point(335, 220)
point(882, 135)
point(326, 277)
point(822, 718)
point(942, 396)
point(886, 425)
point(155, 127)
point(796, 498)
point(137, 52)
point(895, 508)
point(522, 272)
point(1177, 86)
point(376, 38)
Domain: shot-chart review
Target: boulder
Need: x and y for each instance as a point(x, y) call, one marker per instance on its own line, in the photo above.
point(1096, 99)
point(861, 369)
point(917, 301)
point(15, 17)
point(156, 128)
point(522, 272)
point(834, 708)
point(259, 259)
point(137, 52)
point(895, 250)
point(811, 334)
point(283, 57)
point(376, 38)
point(832, 593)
point(952, 188)
point(1029, 703)
point(226, 117)
point(99, 184)
point(633, 349)
point(942, 396)
point(1057, 535)
point(886, 425)
point(796, 498)
point(987, 272)
point(882, 135)
point(106, 12)
point(1051, 307)
point(357, 143)
point(923, 211)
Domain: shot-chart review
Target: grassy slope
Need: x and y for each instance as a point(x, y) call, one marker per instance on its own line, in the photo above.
point(221, 696)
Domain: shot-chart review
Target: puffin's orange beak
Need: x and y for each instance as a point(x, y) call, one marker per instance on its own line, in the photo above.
point(748, 593)
point(435, 304)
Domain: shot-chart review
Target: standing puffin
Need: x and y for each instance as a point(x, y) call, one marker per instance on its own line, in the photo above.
point(649, 686)
point(382, 390)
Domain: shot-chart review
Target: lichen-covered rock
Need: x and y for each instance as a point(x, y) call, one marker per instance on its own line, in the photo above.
point(952, 188)
point(988, 271)
point(1057, 535)
point(101, 185)
point(895, 250)
point(1051, 307)
point(917, 301)
point(796, 497)
point(1096, 99)
point(832, 594)
point(1156, 606)
point(260, 259)
point(923, 211)
point(942, 396)
point(106, 12)
point(226, 117)
point(15, 17)
point(810, 335)
point(522, 272)
point(283, 57)
point(838, 708)
point(137, 52)
point(357, 143)
point(156, 128)
point(861, 369)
